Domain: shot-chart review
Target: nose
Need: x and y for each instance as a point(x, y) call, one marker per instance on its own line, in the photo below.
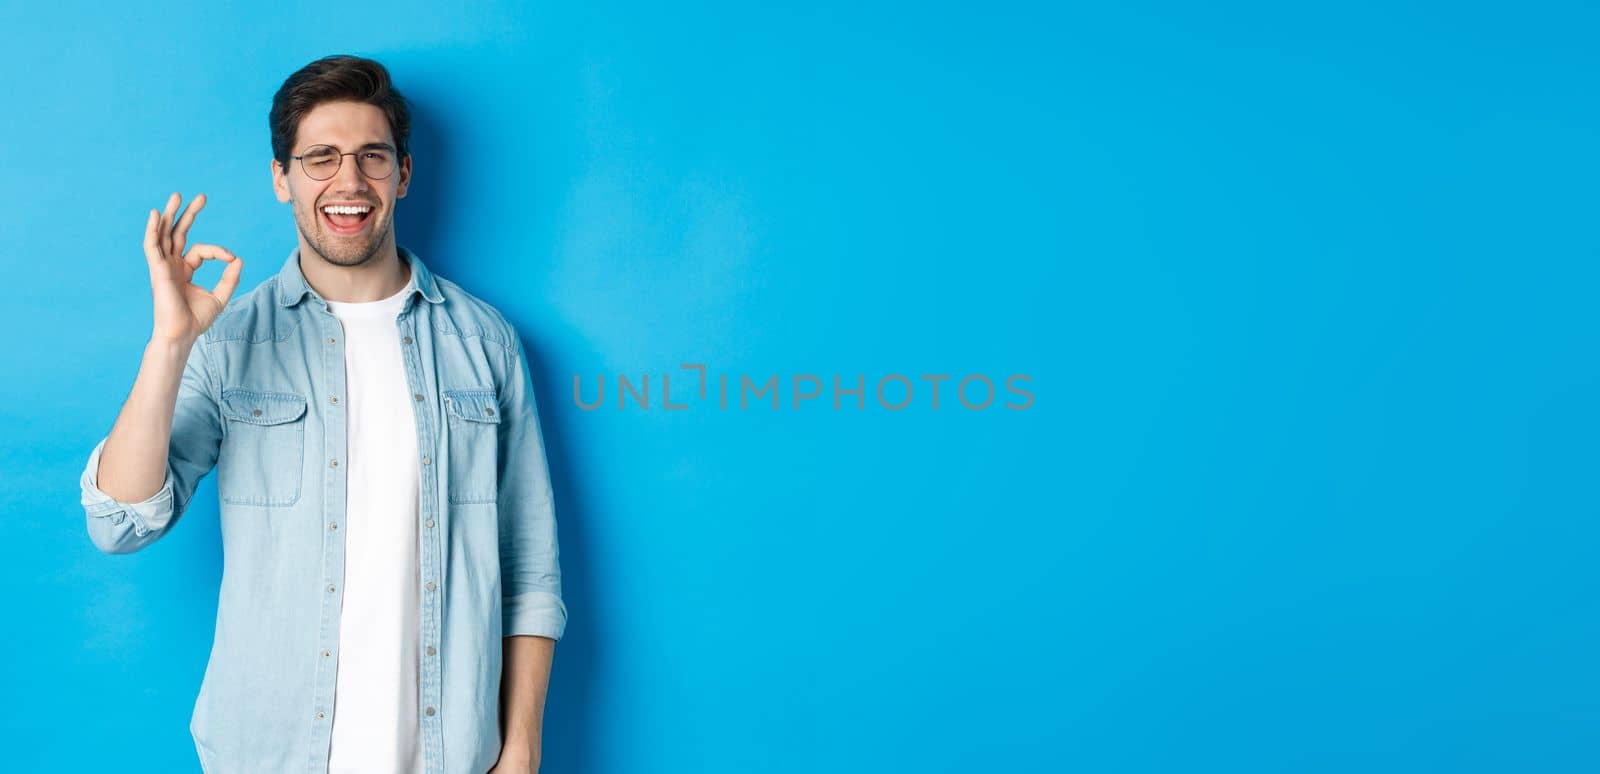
point(349, 177)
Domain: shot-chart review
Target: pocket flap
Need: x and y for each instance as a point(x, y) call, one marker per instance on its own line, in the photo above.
point(262, 408)
point(473, 405)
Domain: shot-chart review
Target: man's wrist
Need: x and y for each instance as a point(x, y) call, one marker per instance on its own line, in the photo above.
point(514, 754)
point(162, 346)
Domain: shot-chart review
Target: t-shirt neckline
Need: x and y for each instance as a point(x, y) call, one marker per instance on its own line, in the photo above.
point(366, 309)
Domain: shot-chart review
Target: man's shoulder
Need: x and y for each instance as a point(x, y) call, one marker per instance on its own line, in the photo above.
point(252, 315)
point(256, 316)
point(464, 314)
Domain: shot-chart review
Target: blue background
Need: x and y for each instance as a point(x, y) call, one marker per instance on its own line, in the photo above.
point(1307, 297)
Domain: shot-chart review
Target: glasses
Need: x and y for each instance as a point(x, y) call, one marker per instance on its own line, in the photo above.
point(321, 162)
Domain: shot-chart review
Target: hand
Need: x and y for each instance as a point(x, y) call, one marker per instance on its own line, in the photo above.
point(184, 310)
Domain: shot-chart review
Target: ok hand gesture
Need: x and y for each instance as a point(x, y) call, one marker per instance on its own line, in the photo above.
point(184, 310)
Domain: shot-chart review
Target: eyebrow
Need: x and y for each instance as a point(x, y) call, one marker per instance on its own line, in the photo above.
point(368, 146)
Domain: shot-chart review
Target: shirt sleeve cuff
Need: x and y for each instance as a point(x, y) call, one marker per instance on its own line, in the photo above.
point(148, 515)
point(539, 613)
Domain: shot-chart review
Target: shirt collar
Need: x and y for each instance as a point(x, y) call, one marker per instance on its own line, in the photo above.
point(292, 283)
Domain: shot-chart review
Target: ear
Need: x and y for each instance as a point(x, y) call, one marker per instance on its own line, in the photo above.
point(280, 182)
point(405, 176)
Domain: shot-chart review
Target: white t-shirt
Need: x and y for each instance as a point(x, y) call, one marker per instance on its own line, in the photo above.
point(375, 690)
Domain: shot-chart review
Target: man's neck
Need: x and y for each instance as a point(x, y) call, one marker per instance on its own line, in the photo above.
point(383, 276)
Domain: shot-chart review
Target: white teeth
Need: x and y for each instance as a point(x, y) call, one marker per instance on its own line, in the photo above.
point(347, 209)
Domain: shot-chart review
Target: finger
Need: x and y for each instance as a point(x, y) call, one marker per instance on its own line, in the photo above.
point(200, 253)
point(180, 234)
point(166, 223)
point(229, 282)
point(160, 268)
point(152, 237)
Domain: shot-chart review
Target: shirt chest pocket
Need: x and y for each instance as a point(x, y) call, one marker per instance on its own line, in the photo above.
point(474, 445)
point(263, 452)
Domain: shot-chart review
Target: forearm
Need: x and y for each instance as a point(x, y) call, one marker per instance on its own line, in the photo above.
point(133, 464)
point(524, 680)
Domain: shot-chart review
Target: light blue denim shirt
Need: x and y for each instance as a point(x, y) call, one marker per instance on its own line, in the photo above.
point(263, 400)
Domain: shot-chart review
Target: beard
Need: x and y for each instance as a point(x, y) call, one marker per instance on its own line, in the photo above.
point(341, 250)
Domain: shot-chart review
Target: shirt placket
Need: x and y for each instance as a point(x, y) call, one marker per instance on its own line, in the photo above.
point(431, 545)
point(329, 389)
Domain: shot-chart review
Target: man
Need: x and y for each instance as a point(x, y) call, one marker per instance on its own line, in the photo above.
point(391, 591)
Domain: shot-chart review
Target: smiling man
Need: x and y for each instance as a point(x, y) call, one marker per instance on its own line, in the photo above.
point(391, 589)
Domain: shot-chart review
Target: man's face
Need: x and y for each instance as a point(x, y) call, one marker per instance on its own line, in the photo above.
point(343, 240)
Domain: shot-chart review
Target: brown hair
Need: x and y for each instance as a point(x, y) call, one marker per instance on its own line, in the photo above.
point(336, 78)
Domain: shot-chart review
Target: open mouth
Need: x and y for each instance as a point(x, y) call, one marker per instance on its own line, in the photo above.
point(346, 219)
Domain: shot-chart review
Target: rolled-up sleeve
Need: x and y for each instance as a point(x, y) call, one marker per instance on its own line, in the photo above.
point(118, 527)
point(105, 511)
point(530, 564)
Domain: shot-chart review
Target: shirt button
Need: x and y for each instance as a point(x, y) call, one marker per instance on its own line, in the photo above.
point(331, 341)
point(320, 716)
point(334, 399)
point(426, 460)
point(255, 412)
point(332, 527)
point(408, 341)
point(488, 411)
point(418, 396)
point(326, 654)
point(429, 711)
point(431, 651)
point(333, 463)
point(430, 523)
point(430, 585)
point(330, 588)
